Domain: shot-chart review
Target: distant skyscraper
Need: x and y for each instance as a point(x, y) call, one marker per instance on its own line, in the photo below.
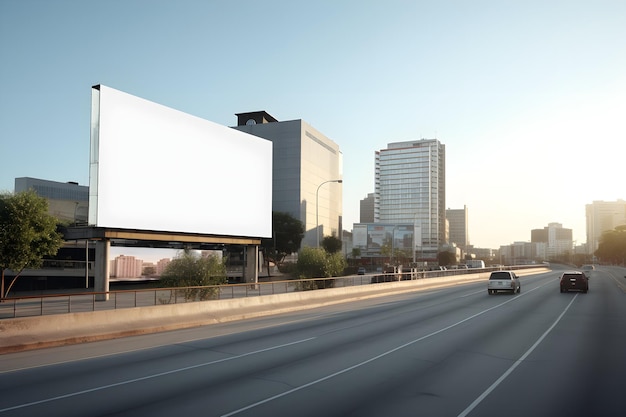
point(457, 220)
point(411, 188)
point(161, 265)
point(557, 239)
point(126, 267)
point(603, 216)
point(367, 209)
point(306, 165)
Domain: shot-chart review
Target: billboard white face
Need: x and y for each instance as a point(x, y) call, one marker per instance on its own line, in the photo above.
point(159, 169)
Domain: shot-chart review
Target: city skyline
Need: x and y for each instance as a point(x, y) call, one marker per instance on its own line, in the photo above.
point(527, 97)
point(134, 266)
point(149, 255)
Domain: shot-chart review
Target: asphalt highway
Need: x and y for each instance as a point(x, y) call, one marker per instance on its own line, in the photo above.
point(448, 352)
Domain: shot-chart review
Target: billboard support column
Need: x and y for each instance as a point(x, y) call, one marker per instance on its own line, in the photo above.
point(101, 272)
point(251, 262)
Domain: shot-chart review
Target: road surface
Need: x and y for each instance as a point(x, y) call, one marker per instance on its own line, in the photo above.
point(448, 352)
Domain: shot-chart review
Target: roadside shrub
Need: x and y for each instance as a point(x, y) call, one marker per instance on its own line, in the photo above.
point(191, 270)
point(336, 264)
point(288, 268)
point(314, 284)
point(312, 263)
point(317, 263)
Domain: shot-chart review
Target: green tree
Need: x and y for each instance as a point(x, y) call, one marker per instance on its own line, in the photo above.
point(386, 249)
point(188, 269)
point(446, 258)
point(312, 263)
point(317, 263)
point(336, 264)
point(287, 235)
point(402, 256)
point(27, 234)
point(332, 244)
point(612, 246)
point(356, 253)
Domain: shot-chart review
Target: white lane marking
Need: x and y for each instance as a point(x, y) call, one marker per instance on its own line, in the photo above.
point(343, 371)
point(130, 381)
point(614, 278)
point(518, 362)
point(255, 352)
point(182, 342)
point(472, 293)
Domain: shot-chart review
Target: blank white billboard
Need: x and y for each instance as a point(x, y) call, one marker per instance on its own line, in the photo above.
point(155, 168)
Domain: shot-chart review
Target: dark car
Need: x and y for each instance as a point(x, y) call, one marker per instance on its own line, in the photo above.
point(361, 271)
point(574, 281)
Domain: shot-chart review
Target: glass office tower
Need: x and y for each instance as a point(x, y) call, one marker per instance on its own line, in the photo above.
point(411, 188)
point(307, 167)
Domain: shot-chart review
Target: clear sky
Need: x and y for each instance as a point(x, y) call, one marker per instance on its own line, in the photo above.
point(529, 97)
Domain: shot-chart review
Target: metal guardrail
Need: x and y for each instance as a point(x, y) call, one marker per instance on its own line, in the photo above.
point(39, 305)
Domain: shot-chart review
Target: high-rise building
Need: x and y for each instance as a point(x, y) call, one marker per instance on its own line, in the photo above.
point(557, 240)
point(366, 214)
point(603, 216)
point(458, 231)
point(161, 265)
point(67, 201)
point(307, 173)
point(410, 189)
point(126, 267)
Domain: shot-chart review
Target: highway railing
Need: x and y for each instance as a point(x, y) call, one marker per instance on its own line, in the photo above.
point(85, 301)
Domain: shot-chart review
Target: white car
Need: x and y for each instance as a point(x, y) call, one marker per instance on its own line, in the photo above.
point(503, 281)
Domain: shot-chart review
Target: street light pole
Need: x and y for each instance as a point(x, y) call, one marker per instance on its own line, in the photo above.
point(317, 209)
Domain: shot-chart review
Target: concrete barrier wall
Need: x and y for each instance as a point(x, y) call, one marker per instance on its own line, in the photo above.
point(68, 328)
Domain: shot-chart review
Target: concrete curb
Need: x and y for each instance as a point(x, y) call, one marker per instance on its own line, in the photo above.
point(39, 332)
